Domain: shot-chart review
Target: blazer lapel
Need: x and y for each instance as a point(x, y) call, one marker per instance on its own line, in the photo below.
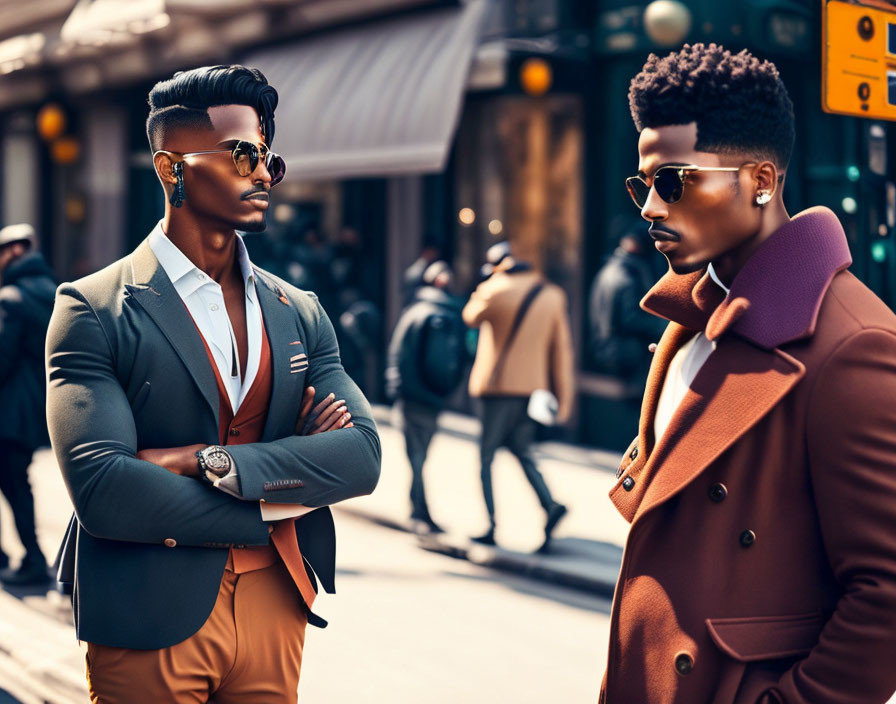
point(280, 323)
point(738, 385)
point(155, 293)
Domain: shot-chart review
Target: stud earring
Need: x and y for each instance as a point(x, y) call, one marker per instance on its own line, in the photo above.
point(762, 198)
point(179, 195)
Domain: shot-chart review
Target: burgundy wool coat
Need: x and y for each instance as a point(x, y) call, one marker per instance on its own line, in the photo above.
point(760, 565)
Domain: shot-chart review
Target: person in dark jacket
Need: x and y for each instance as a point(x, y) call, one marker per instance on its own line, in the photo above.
point(620, 331)
point(27, 289)
point(425, 364)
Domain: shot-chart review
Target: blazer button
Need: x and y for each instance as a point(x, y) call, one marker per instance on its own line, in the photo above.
point(747, 538)
point(628, 483)
point(170, 542)
point(684, 664)
point(717, 493)
point(234, 432)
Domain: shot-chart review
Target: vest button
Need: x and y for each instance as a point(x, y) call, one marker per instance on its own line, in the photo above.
point(717, 493)
point(747, 538)
point(234, 432)
point(170, 542)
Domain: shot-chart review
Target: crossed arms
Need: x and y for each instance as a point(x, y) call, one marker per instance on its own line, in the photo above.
point(119, 496)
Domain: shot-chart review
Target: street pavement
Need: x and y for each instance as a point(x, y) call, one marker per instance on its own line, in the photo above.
point(587, 549)
point(408, 625)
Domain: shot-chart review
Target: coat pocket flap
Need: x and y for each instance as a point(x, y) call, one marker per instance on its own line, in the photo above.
point(766, 637)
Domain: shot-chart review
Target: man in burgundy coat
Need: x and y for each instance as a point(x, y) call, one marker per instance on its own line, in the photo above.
point(761, 490)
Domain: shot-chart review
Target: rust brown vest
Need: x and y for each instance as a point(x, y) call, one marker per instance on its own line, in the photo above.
point(245, 427)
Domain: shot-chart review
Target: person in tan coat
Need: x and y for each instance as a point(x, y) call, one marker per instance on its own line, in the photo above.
point(760, 567)
point(539, 356)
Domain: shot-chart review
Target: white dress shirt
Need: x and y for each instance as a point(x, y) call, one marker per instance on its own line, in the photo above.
point(204, 299)
point(683, 368)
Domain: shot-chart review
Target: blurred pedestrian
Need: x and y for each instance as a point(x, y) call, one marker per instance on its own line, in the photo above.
point(181, 385)
point(524, 347)
point(761, 562)
point(427, 357)
point(27, 290)
point(494, 255)
point(620, 331)
point(412, 278)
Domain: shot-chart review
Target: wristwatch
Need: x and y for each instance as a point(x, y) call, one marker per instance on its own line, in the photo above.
point(214, 462)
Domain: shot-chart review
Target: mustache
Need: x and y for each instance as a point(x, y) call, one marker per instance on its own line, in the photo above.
point(659, 232)
point(255, 191)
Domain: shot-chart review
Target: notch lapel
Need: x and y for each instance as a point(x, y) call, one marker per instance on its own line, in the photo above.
point(736, 387)
point(154, 292)
point(281, 325)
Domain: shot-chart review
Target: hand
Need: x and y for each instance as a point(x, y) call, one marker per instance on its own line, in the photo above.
point(178, 460)
point(329, 414)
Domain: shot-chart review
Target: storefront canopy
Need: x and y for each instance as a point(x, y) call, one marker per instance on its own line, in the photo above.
point(375, 99)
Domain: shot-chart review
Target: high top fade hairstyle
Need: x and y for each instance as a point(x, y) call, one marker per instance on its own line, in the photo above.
point(739, 103)
point(184, 99)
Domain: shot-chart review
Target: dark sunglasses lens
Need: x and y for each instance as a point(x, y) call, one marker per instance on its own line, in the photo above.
point(668, 185)
point(245, 157)
point(638, 190)
point(276, 168)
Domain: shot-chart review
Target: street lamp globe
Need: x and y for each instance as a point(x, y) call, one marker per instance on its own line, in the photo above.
point(667, 22)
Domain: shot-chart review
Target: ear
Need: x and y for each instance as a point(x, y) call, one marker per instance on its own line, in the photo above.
point(164, 165)
point(765, 177)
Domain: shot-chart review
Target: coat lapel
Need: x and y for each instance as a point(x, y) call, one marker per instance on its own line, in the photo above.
point(155, 293)
point(738, 385)
point(280, 323)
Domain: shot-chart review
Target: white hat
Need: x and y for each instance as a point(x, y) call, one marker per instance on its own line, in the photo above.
point(22, 232)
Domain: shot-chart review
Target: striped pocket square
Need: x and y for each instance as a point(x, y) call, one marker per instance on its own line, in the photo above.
point(298, 363)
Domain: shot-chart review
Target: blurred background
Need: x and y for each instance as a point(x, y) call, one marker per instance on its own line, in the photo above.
point(413, 130)
point(407, 125)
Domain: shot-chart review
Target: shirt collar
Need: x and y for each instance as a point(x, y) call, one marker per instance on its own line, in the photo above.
point(179, 268)
point(715, 277)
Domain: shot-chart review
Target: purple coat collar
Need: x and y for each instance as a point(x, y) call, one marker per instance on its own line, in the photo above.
point(775, 297)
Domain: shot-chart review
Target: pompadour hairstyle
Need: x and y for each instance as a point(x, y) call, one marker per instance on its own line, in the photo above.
point(184, 99)
point(739, 103)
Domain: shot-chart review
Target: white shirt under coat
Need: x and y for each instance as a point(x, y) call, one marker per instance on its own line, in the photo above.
point(682, 371)
point(204, 300)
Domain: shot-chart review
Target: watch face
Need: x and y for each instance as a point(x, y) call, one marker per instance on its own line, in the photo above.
point(217, 460)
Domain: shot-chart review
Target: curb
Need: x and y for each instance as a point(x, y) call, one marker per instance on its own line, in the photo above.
point(519, 563)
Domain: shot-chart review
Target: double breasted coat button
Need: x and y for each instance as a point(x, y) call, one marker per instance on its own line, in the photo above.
point(170, 542)
point(747, 538)
point(684, 664)
point(717, 493)
point(628, 483)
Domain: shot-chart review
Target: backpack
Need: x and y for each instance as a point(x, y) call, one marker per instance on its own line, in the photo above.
point(442, 353)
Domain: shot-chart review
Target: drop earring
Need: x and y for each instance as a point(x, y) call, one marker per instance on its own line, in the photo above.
point(179, 195)
point(762, 198)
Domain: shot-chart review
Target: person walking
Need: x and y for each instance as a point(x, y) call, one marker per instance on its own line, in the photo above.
point(181, 381)
point(524, 346)
point(27, 289)
point(760, 565)
point(426, 363)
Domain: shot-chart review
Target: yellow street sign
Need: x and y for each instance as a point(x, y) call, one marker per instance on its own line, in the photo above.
point(859, 58)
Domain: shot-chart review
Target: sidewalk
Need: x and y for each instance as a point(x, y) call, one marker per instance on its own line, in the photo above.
point(587, 546)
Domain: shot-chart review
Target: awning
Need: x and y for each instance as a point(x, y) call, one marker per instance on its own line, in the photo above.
point(375, 99)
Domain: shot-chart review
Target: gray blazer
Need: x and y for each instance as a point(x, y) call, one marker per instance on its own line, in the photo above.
point(127, 370)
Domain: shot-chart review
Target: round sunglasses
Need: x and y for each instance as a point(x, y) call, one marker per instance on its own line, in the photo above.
point(246, 156)
point(668, 181)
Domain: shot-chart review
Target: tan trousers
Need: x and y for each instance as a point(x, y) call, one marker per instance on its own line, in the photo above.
point(249, 650)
